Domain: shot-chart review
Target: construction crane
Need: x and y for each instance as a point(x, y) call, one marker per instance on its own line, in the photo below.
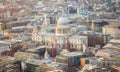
point(12, 12)
point(7, 7)
point(53, 42)
point(3, 3)
point(54, 38)
point(43, 30)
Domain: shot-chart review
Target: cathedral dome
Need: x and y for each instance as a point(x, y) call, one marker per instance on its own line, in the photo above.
point(63, 20)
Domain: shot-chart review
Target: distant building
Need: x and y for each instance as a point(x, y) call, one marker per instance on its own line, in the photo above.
point(25, 55)
point(114, 44)
point(4, 26)
point(17, 23)
point(44, 65)
point(8, 64)
point(3, 48)
point(116, 68)
point(107, 53)
point(71, 58)
point(29, 45)
point(95, 38)
point(37, 50)
point(103, 69)
point(113, 30)
point(90, 60)
point(98, 62)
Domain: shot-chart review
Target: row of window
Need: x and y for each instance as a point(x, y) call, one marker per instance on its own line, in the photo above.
point(63, 45)
point(2, 49)
point(61, 41)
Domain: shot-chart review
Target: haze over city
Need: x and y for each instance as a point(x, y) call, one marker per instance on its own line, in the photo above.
point(59, 35)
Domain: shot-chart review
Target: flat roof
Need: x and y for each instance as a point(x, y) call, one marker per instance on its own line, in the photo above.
point(78, 36)
point(8, 59)
point(116, 67)
point(8, 42)
point(73, 54)
point(25, 53)
point(44, 62)
point(113, 52)
point(112, 46)
point(96, 58)
point(34, 49)
point(115, 41)
point(3, 44)
point(37, 62)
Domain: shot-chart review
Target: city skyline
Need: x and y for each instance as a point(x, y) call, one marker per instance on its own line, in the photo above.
point(59, 35)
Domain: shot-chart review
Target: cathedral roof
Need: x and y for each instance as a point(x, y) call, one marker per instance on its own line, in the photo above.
point(63, 20)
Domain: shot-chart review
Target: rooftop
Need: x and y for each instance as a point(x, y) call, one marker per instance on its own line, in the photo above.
point(112, 46)
point(96, 58)
point(37, 62)
point(37, 48)
point(111, 26)
point(112, 52)
point(8, 59)
point(115, 41)
point(43, 62)
point(73, 54)
point(3, 44)
point(63, 20)
point(116, 67)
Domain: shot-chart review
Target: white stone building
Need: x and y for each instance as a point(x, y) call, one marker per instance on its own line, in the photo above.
point(64, 33)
